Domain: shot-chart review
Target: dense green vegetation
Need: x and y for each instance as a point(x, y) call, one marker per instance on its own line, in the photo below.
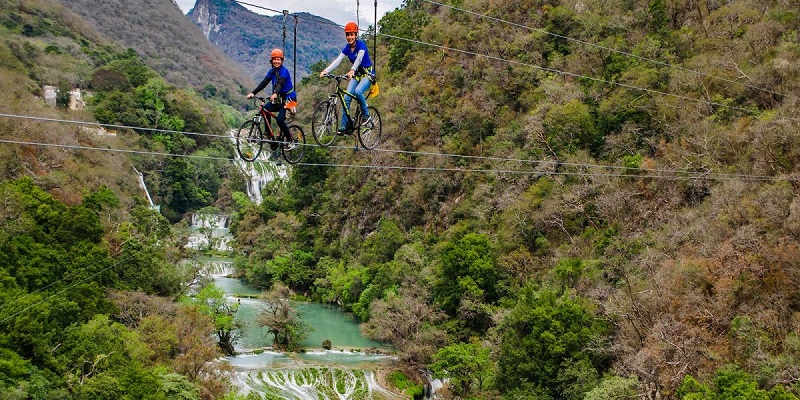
point(625, 224)
point(608, 224)
point(89, 272)
point(62, 279)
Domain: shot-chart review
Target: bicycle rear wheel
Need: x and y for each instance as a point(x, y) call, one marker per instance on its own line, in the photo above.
point(369, 133)
point(295, 146)
point(248, 140)
point(325, 122)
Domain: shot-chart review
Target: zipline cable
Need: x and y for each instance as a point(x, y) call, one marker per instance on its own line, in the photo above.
point(108, 149)
point(404, 152)
point(393, 151)
point(661, 173)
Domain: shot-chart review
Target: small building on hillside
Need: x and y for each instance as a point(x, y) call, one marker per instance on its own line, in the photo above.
point(49, 95)
point(76, 102)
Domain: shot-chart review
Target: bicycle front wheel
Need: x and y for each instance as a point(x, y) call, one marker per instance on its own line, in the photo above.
point(295, 146)
point(325, 122)
point(369, 133)
point(248, 140)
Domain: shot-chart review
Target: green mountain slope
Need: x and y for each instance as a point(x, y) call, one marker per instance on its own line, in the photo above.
point(79, 244)
point(602, 195)
point(166, 40)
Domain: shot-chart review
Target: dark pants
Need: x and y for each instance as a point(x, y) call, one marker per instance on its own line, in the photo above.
point(278, 108)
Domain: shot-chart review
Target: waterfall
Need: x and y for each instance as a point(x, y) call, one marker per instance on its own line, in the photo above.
point(431, 384)
point(312, 383)
point(209, 231)
point(144, 187)
point(261, 171)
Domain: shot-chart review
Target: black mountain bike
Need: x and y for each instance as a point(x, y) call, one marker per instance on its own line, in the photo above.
point(250, 138)
point(327, 115)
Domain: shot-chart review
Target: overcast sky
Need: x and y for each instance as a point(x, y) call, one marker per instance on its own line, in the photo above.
point(339, 11)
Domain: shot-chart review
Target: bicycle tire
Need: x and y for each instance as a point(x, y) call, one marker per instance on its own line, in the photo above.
point(325, 122)
point(369, 133)
point(298, 139)
point(249, 140)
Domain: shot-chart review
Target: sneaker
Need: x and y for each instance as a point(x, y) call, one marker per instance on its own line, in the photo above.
point(366, 121)
point(290, 146)
point(341, 131)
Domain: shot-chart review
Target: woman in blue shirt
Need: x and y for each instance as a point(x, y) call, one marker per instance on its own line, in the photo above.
point(282, 91)
point(356, 51)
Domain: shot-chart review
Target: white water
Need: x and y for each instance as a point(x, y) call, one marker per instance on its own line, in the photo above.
point(318, 374)
point(260, 172)
point(310, 382)
point(209, 231)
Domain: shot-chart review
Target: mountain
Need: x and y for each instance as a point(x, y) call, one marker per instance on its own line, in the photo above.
point(248, 38)
point(165, 39)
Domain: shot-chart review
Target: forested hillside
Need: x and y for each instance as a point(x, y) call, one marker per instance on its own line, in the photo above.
point(248, 38)
point(168, 42)
point(574, 200)
point(90, 273)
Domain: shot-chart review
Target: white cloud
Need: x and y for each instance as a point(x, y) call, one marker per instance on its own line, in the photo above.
point(339, 11)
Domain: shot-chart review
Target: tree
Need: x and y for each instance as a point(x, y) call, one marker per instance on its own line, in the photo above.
point(416, 337)
point(206, 217)
point(466, 365)
point(63, 94)
point(730, 382)
point(281, 320)
point(100, 345)
point(468, 272)
point(544, 341)
point(211, 301)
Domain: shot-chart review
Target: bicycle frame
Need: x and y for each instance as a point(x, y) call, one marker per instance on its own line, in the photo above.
point(340, 93)
point(266, 116)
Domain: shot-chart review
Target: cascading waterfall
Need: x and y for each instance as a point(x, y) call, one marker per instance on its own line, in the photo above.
point(261, 172)
point(317, 374)
point(313, 383)
point(207, 227)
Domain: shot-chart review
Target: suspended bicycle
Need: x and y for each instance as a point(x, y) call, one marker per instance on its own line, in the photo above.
point(327, 114)
point(250, 137)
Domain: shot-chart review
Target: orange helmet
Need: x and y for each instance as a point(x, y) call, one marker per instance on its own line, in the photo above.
point(276, 53)
point(351, 27)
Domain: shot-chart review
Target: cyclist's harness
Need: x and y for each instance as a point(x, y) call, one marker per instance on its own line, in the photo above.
point(362, 64)
point(281, 83)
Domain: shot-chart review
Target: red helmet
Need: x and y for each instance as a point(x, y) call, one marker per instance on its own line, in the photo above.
point(276, 53)
point(351, 27)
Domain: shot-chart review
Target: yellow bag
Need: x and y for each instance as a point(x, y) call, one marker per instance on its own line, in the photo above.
point(374, 90)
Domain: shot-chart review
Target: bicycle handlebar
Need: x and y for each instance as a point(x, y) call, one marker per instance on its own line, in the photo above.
point(337, 77)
